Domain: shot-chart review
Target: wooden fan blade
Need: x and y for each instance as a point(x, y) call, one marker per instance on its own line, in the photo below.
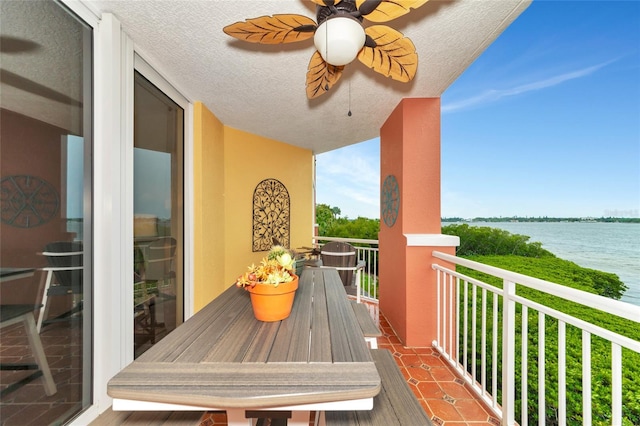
point(326, 2)
point(386, 10)
point(321, 76)
point(276, 29)
point(392, 55)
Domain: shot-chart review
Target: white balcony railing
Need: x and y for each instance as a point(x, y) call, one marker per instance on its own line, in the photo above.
point(498, 336)
point(490, 335)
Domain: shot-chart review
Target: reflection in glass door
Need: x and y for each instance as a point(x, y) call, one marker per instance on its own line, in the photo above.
point(158, 215)
point(46, 248)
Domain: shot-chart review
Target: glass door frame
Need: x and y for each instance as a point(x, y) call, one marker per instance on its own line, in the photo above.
point(114, 61)
point(143, 67)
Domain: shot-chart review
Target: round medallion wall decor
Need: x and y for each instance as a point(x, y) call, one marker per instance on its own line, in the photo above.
point(390, 200)
point(28, 201)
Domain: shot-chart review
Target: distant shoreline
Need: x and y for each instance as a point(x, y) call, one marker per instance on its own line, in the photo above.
point(545, 219)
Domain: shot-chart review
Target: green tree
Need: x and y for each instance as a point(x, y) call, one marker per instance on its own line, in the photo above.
point(483, 240)
point(324, 218)
point(336, 212)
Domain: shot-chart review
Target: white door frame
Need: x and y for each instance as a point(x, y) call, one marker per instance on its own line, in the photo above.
point(115, 58)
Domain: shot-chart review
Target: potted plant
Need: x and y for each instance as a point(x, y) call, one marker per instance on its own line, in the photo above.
point(272, 285)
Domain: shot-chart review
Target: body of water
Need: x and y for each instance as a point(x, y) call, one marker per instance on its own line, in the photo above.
point(609, 247)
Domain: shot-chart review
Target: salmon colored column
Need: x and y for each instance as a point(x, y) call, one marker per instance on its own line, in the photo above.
point(410, 156)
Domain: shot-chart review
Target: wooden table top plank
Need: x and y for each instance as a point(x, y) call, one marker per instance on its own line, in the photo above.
point(203, 323)
point(233, 345)
point(354, 335)
point(320, 349)
point(262, 343)
point(234, 385)
point(338, 320)
point(214, 328)
point(349, 343)
point(339, 344)
point(292, 342)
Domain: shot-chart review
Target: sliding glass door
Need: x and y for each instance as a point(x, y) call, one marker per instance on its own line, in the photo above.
point(46, 243)
point(158, 214)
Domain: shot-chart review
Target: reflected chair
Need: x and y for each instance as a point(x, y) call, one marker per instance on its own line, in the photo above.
point(343, 257)
point(155, 288)
point(14, 314)
point(64, 278)
point(159, 266)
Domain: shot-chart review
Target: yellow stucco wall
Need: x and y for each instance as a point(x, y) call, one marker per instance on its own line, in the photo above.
point(209, 218)
point(249, 159)
point(228, 164)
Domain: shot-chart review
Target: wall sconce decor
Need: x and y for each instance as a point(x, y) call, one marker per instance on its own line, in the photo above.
point(271, 215)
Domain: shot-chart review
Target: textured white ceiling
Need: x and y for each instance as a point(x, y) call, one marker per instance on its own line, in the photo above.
point(261, 89)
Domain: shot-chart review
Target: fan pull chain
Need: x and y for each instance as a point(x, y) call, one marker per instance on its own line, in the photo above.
point(326, 51)
point(349, 113)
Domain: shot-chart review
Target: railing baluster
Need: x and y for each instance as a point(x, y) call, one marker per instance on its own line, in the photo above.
point(562, 373)
point(616, 384)
point(455, 325)
point(483, 343)
point(474, 350)
point(446, 305)
point(465, 323)
point(524, 371)
point(494, 352)
point(508, 352)
point(586, 378)
point(541, 371)
point(439, 333)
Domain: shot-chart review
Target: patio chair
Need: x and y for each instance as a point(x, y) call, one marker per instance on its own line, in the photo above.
point(161, 255)
point(154, 289)
point(64, 277)
point(343, 257)
point(24, 313)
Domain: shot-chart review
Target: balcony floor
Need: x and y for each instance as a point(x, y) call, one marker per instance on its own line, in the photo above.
point(445, 397)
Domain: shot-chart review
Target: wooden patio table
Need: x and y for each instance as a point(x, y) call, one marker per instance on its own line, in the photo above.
point(224, 359)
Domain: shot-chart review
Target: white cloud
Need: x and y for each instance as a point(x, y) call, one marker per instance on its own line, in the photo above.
point(494, 95)
point(349, 178)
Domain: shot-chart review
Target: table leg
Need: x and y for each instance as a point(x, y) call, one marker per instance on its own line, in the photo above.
point(237, 418)
point(320, 419)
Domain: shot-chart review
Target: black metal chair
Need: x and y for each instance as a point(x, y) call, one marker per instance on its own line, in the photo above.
point(64, 277)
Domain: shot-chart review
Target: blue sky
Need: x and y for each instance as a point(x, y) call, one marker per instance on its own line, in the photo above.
point(545, 123)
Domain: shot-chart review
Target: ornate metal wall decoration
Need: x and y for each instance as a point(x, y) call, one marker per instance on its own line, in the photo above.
point(271, 215)
point(27, 201)
point(390, 200)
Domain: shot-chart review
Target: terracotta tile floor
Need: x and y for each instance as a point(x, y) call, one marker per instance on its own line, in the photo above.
point(445, 398)
point(29, 405)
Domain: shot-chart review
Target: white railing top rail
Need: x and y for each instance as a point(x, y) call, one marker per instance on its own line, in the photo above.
point(576, 322)
point(614, 307)
point(344, 240)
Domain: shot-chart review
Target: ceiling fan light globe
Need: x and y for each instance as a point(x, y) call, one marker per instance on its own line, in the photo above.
point(339, 40)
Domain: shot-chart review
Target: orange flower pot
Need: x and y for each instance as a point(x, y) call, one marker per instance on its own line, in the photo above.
point(271, 303)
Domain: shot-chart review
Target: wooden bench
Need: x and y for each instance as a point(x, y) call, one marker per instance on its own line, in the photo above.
point(369, 328)
point(395, 405)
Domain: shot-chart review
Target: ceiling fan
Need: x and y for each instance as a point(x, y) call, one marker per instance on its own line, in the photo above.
point(340, 37)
